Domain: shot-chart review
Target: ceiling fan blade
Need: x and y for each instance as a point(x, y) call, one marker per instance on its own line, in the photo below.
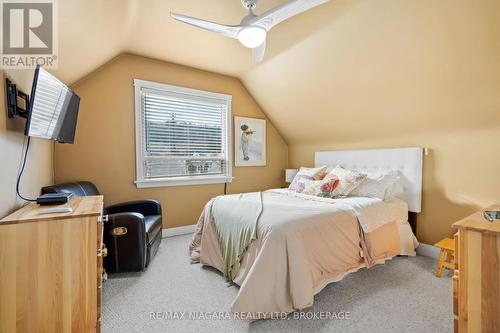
point(274, 16)
point(225, 30)
point(258, 53)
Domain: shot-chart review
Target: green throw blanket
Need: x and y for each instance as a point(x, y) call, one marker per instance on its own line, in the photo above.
point(235, 219)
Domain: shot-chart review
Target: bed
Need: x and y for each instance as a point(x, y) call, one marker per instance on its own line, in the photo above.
point(302, 242)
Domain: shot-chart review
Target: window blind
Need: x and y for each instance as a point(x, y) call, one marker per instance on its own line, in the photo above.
point(183, 135)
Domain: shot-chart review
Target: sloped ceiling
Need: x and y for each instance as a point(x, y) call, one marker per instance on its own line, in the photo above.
point(92, 32)
point(399, 62)
point(385, 68)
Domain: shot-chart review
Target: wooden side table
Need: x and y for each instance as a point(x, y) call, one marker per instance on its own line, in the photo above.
point(446, 256)
point(478, 274)
point(51, 281)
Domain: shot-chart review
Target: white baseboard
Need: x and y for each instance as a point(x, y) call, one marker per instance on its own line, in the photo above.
point(170, 232)
point(427, 250)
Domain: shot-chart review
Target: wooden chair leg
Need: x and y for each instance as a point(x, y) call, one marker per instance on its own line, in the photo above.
point(452, 257)
point(449, 257)
point(440, 263)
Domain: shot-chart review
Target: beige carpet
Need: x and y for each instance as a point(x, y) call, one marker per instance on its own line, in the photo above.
point(401, 296)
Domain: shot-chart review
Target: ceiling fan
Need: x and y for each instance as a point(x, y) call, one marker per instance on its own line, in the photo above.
point(253, 29)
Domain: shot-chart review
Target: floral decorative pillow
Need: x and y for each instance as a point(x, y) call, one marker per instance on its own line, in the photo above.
point(320, 188)
point(306, 174)
point(348, 180)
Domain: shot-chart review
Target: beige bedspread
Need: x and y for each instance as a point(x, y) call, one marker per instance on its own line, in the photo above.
point(301, 245)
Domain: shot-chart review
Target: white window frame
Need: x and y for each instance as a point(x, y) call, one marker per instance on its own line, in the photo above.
point(142, 182)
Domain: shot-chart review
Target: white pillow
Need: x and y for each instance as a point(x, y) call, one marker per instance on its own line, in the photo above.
point(395, 191)
point(381, 185)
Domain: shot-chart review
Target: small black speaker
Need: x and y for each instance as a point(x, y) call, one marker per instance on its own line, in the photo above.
point(53, 198)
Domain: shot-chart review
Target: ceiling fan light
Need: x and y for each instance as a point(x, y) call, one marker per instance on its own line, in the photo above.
point(252, 36)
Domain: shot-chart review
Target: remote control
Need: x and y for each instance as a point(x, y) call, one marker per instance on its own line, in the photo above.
point(56, 210)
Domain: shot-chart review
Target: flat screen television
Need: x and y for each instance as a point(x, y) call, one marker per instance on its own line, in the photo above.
point(53, 109)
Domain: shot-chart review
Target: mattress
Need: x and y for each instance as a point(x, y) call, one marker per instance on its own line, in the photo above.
point(371, 211)
point(398, 209)
point(302, 243)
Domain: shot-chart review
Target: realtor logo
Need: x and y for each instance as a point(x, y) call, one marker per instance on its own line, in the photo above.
point(28, 34)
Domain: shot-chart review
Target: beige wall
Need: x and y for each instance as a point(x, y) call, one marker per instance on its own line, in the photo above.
point(391, 73)
point(38, 170)
point(349, 74)
point(104, 149)
point(460, 176)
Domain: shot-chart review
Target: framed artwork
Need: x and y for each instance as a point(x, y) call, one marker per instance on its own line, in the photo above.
point(249, 141)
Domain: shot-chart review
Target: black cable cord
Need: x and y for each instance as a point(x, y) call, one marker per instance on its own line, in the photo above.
point(225, 188)
point(21, 173)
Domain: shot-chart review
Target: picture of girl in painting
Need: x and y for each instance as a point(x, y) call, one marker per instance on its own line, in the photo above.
point(250, 141)
point(246, 137)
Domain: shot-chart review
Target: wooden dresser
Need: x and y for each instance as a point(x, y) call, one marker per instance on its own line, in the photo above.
point(51, 268)
point(476, 281)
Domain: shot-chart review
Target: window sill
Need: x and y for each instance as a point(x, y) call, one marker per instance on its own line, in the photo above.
point(182, 181)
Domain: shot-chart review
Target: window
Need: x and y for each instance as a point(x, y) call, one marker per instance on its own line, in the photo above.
point(183, 136)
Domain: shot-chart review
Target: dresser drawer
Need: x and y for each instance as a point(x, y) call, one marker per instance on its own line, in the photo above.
point(455, 293)
point(101, 253)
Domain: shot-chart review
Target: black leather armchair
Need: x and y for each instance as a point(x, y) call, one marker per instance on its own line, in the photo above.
point(132, 233)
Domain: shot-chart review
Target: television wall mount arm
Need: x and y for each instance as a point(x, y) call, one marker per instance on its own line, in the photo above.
point(13, 108)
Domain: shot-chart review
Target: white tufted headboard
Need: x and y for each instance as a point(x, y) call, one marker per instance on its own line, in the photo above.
point(407, 160)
